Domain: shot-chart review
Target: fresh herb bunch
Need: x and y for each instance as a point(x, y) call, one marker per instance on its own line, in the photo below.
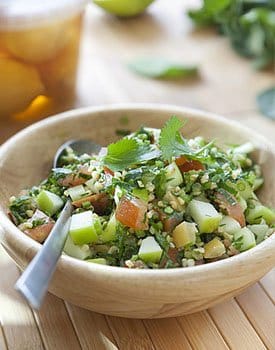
point(249, 24)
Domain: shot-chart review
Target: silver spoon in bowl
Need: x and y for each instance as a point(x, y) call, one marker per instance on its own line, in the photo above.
point(34, 281)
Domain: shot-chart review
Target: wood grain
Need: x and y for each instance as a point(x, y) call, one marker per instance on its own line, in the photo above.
point(92, 329)
point(202, 332)
point(268, 283)
point(3, 345)
point(261, 312)
point(235, 327)
point(129, 333)
point(166, 334)
point(55, 325)
point(16, 316)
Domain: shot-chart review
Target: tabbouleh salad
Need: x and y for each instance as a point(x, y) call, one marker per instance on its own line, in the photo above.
point(153, 199)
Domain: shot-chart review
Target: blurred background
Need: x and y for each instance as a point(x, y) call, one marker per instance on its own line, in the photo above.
point(212, 55)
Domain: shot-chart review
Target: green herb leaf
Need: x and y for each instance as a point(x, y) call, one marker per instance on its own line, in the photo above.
point(162, 68)
point(206, 14)
point(127, 152)
point(266, 102)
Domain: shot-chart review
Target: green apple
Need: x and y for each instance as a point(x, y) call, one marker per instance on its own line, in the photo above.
point(184, 234)
point(124, 8)
point(109, 234)
point(150, 250)
point(213, 249)
point(260, 231)
point(173, 175)
point(254, 215)
point(49, 202)
point(205, 215)
point(229, 225)
point(79, 252)
point(83, 228)
point(245, 238)
point(75, 192)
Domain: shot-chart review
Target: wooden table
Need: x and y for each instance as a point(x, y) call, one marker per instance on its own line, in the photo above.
point(228, 86)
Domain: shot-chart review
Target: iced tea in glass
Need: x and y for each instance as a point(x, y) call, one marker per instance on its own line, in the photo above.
point(39, 45)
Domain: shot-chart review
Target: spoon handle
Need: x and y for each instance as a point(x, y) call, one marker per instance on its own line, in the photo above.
point(34, 281)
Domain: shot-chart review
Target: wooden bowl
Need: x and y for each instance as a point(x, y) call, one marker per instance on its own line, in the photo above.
point(26, 159)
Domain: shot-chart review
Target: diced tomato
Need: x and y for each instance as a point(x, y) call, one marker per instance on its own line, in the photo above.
point(76, 179)
point(234, 210)
point(185, 164)
point(132, 213)
point(41, 232)
point(99, 201)
point(108, 171)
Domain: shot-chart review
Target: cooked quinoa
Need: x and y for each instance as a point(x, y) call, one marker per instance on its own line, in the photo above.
point(154, 199)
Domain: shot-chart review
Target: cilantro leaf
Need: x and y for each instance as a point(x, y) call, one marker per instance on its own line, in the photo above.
point(172, 144)
point(127, 152)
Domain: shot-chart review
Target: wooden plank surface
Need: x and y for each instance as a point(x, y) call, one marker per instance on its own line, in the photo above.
point(202, 332)
point(228, 85)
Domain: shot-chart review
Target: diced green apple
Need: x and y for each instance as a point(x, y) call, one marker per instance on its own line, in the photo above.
point(100, 261)
point(49, 202)
point(83, 229)
point(141, 193)
point(245, 238)
point(259, 230)
point(213, 249)
point(109, 234)
point(173, 175)
point(205, 215)
point(150, 250)
point(79, 252)
point(76, 192)
point(229, 225)
point(254, 215)
point(184, 234)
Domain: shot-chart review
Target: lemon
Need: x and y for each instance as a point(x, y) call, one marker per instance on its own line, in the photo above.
point(124, 8)
point(36, 45)
point(19, 85)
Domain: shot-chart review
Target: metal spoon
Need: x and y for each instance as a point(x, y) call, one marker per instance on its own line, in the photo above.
point(34, 281)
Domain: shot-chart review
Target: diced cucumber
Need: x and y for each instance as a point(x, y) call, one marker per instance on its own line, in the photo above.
point(49, 202)
point(184, 234)
point(79, 252)
point(173, 175)
point(254, 215)
point(205, 215)
point(83, 229)
point(213, 249)
point(259, 230)
point(245, 148)
point(150, 250)
point(109, 234)
point(141, 193)
point(76, 192)
point(245, 239)
point(100, 261)
point(229, 225)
